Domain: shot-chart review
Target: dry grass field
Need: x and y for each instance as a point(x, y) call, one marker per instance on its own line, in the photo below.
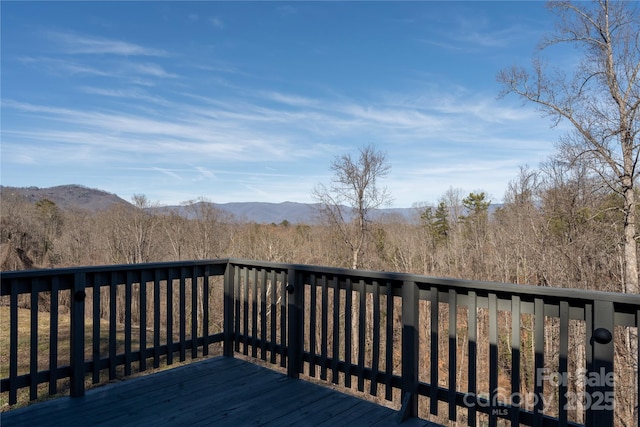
point(24, 345)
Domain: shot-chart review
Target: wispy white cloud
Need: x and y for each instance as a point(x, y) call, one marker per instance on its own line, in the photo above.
point(130, 93)
point(168, 172)
point(204, 173)
point(217, 22)
point(470, 32)
point(149, 69)
point(293, 100)
point(63, 66)
point(72, 43)
point(262, 127)
point(138, 73)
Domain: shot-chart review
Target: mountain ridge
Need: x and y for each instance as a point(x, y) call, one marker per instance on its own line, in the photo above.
point(68, 196)
point(95, 200)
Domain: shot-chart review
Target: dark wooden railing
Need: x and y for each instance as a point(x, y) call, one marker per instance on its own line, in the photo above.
point(404, 338)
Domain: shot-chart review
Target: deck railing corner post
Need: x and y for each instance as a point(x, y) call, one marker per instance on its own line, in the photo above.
point(228, 323)
point(77, 334)
point(602, 348)
point(295, 289)
point(410, 343)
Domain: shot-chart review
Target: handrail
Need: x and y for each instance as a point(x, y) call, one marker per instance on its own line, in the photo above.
point(411, 336)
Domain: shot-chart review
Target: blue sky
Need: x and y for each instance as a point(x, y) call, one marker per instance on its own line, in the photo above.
point(251, 101)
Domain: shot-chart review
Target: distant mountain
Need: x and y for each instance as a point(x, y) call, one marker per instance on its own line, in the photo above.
point(94, 200)
point(267, 213)
point(68, 196)
point(258, 212)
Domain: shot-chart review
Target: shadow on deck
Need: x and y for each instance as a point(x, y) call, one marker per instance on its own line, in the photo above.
point(220, 391)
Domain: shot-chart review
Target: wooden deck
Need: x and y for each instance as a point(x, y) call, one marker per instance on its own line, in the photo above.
point(221, 391)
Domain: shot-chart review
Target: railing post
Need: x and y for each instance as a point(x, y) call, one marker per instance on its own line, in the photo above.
point(410, 342)
point(77, 335)
point(600, 380)
point(229, 275)
point(295, 289)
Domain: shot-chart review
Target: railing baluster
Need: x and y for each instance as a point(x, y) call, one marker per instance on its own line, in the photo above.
point(230, 319)
point(236, 301)
point(128, 297)
point(515, 359)
point(325, 329)
point(53, 336)
point(336, 330)
point(295, 322)
point(472, 321)
point(142, 305)
point(33, 350)
point(388, 394)
point(113, 288)
point(493, 359)
point(77, 335)
point(453, 349)
point(348, 310)
point(274, 311)
point(97, 280)
point(13, 342)
point(169, 296)
point(156, 318)
point(183, 314)
point(300, 304)
point(362, 324)
point(245, 311)
point(205, 313)
point(312, 325)
point(435, 338)
point(375, 361)
point(263, 314)
point(254, 313)
point(283, 318)
point(194, 313)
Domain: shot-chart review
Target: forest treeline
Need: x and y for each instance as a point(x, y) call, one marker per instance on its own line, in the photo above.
point(558, 226)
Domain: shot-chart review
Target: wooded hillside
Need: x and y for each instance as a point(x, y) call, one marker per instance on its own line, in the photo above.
point(558, 227)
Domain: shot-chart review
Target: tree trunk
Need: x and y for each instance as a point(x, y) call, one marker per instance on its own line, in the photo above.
point(630, 245)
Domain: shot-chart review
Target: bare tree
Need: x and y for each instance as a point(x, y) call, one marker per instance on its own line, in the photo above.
point(601, 100)
point(50, 226)
point(210, 228)
point(354, 192)
point(130, 231)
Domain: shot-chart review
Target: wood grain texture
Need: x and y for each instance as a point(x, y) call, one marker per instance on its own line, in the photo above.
point(219, 391)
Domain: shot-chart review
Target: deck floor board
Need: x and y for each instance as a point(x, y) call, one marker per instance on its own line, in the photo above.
point(219, 391)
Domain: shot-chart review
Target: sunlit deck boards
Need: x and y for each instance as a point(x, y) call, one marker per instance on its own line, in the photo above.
point(219, 391)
